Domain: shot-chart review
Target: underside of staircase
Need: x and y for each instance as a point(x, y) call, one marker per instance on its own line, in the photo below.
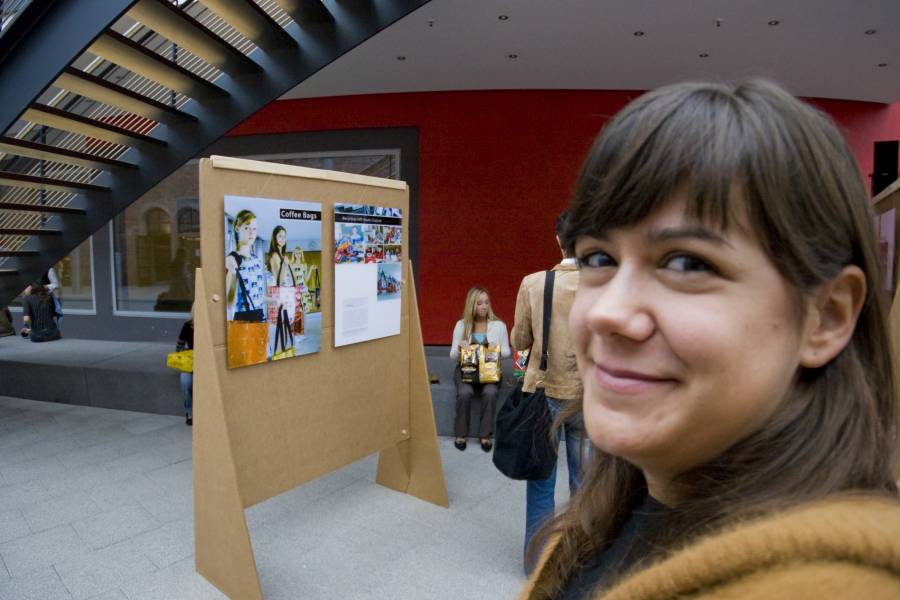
point(101, 100)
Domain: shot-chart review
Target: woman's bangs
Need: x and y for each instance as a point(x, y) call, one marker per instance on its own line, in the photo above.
point(648, 153)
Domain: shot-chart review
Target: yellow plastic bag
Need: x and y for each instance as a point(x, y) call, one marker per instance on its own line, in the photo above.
point(289, 353)
point(182, 361)
point(489, 364)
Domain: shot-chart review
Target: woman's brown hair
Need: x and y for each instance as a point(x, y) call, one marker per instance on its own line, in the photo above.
point(40, 290)
point(756, 151)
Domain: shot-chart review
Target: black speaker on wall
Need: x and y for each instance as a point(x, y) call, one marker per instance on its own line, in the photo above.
point(884, 166)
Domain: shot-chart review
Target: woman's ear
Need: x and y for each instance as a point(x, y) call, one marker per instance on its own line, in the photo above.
point(832, 316)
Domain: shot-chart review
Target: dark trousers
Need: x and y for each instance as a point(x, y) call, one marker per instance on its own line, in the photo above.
point(464, 394)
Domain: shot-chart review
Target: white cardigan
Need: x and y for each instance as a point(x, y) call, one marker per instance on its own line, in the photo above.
point(496, 334)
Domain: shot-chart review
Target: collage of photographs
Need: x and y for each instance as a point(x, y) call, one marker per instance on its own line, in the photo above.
point(367, 243)
point(371, 235)
point(273, 289)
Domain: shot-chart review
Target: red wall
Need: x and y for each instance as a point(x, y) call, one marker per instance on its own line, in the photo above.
point(495, 169)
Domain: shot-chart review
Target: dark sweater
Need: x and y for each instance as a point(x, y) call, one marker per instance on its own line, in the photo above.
point(602, 570)
point(186, 337)
point(42, 314)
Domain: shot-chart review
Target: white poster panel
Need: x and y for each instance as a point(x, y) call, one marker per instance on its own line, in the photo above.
point(367, 272)
point(273, 256)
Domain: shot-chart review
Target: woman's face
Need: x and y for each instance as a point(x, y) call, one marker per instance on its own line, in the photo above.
point(280, 238)
point(686, 338)
point(482, 306)
point(246, 233)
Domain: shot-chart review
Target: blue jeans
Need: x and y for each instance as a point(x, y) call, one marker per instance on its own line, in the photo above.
point(540, 502)
point(187, 390)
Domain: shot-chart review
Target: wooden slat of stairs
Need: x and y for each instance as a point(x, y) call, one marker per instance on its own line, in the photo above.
point(89, 86)
point(184, 30)
point(306, 11)
point(118, 49)
point(47, 183)
point(65, 210)
point(39, 151)
point(253, 23)
point(17, 231)
point(67, 121)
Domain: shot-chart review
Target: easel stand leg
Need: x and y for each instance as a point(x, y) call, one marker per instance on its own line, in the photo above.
point(414, 465)
point(224, 555)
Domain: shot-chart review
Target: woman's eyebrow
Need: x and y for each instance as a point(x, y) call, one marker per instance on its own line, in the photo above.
point(688, 232)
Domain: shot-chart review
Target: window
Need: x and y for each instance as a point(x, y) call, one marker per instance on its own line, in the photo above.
point(188, 221)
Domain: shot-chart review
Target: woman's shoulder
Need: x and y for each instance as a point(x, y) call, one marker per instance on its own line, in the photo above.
point(794, 553)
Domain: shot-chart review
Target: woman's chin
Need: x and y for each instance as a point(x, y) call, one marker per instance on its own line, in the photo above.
point(627, 441)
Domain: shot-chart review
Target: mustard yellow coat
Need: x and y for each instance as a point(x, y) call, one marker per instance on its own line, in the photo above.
point(837, 550)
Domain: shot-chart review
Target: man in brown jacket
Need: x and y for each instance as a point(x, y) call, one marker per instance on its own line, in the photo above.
point(561, 381)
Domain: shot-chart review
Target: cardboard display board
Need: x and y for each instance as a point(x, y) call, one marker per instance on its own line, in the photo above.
point(888, 203)
point(265, 429)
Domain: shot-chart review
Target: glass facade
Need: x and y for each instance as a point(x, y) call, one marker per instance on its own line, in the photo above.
point(76, 279)
point(156, 240)
point(156, 247)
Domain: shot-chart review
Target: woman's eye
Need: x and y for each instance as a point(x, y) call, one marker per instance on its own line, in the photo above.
point(687, 263)
point(596, 260)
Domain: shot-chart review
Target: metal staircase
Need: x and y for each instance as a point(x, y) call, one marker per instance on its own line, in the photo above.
point(102, 99)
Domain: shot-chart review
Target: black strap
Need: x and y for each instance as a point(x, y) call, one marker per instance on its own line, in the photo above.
point(548, 312)
point(288, 334)
point(279, 339)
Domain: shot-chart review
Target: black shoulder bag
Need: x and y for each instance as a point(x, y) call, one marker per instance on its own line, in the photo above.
point(523, 448)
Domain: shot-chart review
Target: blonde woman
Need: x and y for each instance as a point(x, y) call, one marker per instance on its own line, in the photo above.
point(244, 272)
point(478, 325)
point(246, 293)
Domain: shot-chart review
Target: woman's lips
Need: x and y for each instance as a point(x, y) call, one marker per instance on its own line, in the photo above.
point(622, 381)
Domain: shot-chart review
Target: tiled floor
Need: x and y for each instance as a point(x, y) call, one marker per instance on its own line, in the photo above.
point(96, 504)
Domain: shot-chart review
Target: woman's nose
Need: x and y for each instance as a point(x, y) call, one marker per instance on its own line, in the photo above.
point(621, 308)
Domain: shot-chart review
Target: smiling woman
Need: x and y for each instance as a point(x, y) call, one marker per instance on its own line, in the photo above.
point(735, 360)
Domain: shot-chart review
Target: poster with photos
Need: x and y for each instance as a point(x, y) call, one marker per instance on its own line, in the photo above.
point(368, 275)
point(273, 261)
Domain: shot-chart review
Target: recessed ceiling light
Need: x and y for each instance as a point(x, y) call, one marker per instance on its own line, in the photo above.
point(512, 56)
point(703, 55)
point(638, 33)
point(774, 22)
point(503, 17)
point(401, 57)
point(882, 64)
point(871, 31)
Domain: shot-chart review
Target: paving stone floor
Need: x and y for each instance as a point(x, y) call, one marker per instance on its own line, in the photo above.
point(96, 504)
